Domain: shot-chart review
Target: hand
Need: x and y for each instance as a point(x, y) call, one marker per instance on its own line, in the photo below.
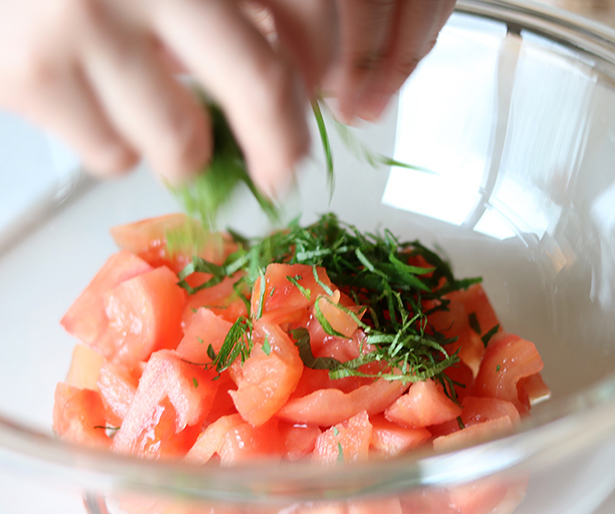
point(382, 43)
point(101, 73)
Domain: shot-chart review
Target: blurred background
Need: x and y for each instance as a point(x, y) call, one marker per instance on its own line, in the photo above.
point(599, 10)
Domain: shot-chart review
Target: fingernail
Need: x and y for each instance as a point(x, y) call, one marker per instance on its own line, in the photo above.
point(372, 106)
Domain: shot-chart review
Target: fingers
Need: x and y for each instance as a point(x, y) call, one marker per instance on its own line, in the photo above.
point(261, 94)
point(414, 34)
point(366, 26)
point(310, 32)
point(65, 104)
point(152, 111)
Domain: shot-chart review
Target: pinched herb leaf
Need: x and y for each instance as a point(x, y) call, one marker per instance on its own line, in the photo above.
point(295, 282)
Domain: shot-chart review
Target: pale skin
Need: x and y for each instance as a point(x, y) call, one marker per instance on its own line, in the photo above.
point(102, 74)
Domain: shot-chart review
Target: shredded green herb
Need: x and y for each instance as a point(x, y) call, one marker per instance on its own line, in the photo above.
point(487, 337)
point(374, 270)
point(474, 324)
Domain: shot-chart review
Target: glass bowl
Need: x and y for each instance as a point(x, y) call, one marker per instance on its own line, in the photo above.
point(514, 113)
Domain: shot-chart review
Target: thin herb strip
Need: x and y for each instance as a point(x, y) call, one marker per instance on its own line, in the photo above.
point(389, 279)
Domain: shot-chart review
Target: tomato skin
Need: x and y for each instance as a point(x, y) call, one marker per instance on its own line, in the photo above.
point(425, 404)
point(117, 389)
point(221, 299)
point(265, 382)
point(148, 239)
point(246, 442)
point(477, 410)
point(210, 440)
point(77, 413)
point(327, 407)
point(144, 315)
point(298, 440)
point(473, 433)
point(352, 436)
point(171, 402)
point(205, 329)
point(283, 301)
point(84, 367)
point(390, 439)
point(86, 319)
point(507, 360)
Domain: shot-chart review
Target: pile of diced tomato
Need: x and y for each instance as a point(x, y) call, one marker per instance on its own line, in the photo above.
point(141, 380)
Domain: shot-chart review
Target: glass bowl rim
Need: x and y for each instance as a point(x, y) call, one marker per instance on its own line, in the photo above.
point(536, 441)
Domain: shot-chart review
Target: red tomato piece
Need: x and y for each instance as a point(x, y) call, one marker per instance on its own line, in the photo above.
point(351, 438)
point(205, 329)
point(506, 361)
point(462, 374)
point(475, 301)
point(473, 434)
point(221, 299)
point(268, 376)
point(86, 319)
point(148, 240)
point(390, 505)
point(327, 407)
point(246, 442)
point(488, 495)
point(169, 406)
point(425, 404)
point(533, 389)
point(210, 440)
point(390, 439)
point(84, 367)
point(340, 320)
point(298, 440)
point(284, 302)
point(223, 404)
point(478, 410)
point(117, 389)
point(145, 315)
point(79, 416)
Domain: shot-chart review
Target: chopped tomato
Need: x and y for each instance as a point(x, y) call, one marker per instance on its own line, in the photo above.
point(117, 389)
point(425, 404)
point(84, 367)
point(172, 399)
point(390, 439)
point(298, 440)
point(473, 433)
point(86, 319)
point(246, 442)
point(345, 442)
point(327, 407)
point(221, 299)
point(290, 290)
point(205, 329)
point(148, 240)
point(375, 506)
point(144, 315)
point(210, 440)
point(79, 416)
point(268, 376)
point(506, 361)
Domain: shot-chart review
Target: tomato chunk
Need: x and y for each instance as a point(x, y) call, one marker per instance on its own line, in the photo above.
point(79, 416)
point(268, 376)
point(148, 239)
point(425, 404)
point(390, 439)
point(210, 440)
point(246, 442)
point(84, 367)
point(347, 441)
point(205, 329)
point(506, 361)
point(298, 440)
point(86, 319)
point(144, 315)
point(284, 301)
point(327, 407)
point(117, 389)
point(172, 396)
